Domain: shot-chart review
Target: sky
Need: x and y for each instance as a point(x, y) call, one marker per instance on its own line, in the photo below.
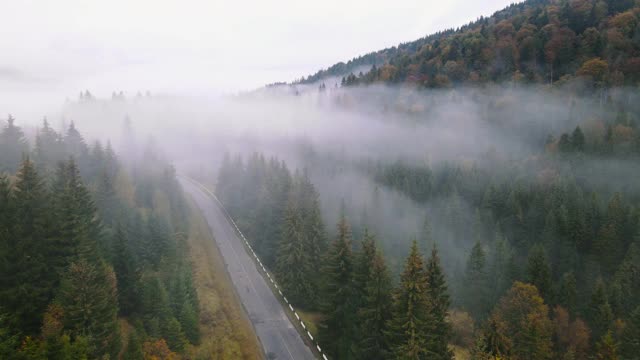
point(194, 47)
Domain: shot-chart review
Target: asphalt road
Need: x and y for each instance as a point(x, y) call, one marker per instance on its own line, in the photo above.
point(276, 333)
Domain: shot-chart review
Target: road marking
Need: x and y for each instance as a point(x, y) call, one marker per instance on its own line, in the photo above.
point(246, 273)
point(304, 327)
point(318, 347)
point(290, 307)
point(296, 314)
point(310, 337)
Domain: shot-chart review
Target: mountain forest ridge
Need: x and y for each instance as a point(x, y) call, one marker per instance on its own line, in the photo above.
point(534, 41)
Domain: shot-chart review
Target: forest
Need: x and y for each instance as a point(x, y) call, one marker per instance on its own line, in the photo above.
point(585, 43)
point(95, 256)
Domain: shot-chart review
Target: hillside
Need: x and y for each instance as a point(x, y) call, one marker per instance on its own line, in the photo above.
point(535, 41)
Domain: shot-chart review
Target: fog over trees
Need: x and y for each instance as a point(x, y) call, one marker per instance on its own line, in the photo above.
point(472, 194)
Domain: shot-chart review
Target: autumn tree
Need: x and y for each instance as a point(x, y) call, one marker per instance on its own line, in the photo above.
point(522, 319)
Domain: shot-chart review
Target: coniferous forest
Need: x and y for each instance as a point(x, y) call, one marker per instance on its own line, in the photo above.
point(473, 194)
point(94, 254)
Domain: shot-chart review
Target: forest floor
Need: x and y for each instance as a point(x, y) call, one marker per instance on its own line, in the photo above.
point(225, 329)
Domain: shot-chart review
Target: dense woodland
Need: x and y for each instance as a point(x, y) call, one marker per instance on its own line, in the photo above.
point(534, 41)
point(549, 247)
point(93, 257)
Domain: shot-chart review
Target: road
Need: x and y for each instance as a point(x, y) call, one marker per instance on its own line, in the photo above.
point(276, 333)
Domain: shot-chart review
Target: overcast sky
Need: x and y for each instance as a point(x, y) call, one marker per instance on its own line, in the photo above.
point(193, 46)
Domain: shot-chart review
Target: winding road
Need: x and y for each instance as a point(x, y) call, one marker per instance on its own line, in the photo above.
point(278, 337)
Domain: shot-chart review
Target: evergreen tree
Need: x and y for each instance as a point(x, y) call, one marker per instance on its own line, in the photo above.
point(293, 266)
point(599, 313)
point(363, 261)
point(539, 271)
point(476, 284)
point(126, 273)
point(337, 329)
point(78, 227)
point(88, 296)
point(577, 139)
point(438, 330)
point(630, 346)
point(607, 348)
point(411, 313)
point(373, 314)
point(188, 318)
point(567, 294)
point(28, 282)
point(13, 146)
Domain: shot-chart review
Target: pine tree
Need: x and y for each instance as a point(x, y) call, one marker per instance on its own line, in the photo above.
point(599, 313)
point(28, 282)
point(410, 310)
point(476, 284)
point(13, 146)
point(373, 314)
point(88, 296)
point(630, 346)
point(78, 227)
point(438, 330)
point(126, 273)
point(174, 335)
point(293, 263)
point(607, 348)
point(501, 269)
point(363, 261)
point(337, 329)
point(567, 294)
point(577, 139)
point(539, 271)
point(188, 318)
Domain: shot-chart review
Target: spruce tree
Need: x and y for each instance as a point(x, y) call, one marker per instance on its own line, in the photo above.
point(539, 271)
point(293, 263)
point(373, 314)
point(599, 312)
point(337, 329)
point(78, 227)
point(126, 273)
point(476, 284)
point(88, 296)
point(410, 310)
point(438, 330)
point(28, 283)
point(630, 346)
point(13, 146)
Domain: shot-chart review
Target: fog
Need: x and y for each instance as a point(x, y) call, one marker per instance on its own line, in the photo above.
point(341, 134)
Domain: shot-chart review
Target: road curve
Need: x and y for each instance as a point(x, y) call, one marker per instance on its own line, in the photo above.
point(278, 337)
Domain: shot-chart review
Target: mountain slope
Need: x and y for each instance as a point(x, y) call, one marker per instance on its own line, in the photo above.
point(535, 41)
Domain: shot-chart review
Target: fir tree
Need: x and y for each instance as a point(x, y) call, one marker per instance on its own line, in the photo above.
point(88, 296)
point(293, 265)
point(13, 146)
point(126, 273)
point(28, 283)
point(539, 271)
point(476, 283)
point(373, 314)
point(337, 329)
point(438, 330)
point(630, 346)
point(410, 310)
point(599, 312)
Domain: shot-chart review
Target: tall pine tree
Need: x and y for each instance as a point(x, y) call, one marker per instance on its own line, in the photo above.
point(337, 329)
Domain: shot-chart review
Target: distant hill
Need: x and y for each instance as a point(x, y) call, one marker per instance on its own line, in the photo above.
point(535, 41)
